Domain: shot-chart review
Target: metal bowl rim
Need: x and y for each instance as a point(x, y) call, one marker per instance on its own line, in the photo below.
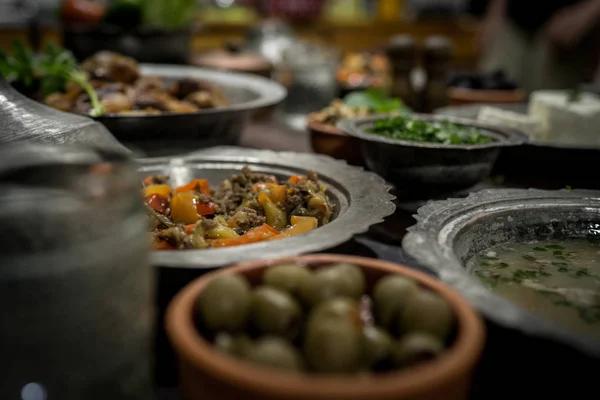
point(510, 137)
point(269, 92)
point(429, 243)
point(369, 202)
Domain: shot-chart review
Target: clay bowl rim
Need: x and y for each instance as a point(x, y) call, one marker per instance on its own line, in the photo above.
point(489, 96)
point(321, 128)
point(460, 357)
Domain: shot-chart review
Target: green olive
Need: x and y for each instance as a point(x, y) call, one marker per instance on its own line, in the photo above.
point(242, 344)
point(275, 312)
point(326, 283)
point(390, 295)
point(225, 303)
point(275, 353)
point(427, 312)
point(340, 308)
point(415, 348)
point(225, 343)
point(286, 277)
point(332, 346)
point(355, 275)
point(377, 346)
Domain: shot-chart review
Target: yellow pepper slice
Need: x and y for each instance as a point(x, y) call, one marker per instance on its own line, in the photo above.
point(163, 190)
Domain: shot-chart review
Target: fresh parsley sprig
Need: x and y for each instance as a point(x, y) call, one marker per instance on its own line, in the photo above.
point(52, 68)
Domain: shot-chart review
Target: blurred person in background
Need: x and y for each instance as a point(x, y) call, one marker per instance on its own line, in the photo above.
point(545, 44)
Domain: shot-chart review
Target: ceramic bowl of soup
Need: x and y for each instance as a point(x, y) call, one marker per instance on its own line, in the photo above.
point(529, 260)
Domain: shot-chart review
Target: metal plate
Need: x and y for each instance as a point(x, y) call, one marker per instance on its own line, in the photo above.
point(450, 233)
point(170, 134)
point(361, 199)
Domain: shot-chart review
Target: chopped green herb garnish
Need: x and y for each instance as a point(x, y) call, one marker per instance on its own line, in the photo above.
point(573, 96)
point(540, 249)
point(555, 247)
point(529, 257)
point(502, 265)
point(442, 132)
point(376, 101)
point(563, 269)
point(557, 253)
point(490, 258)
point(484, 264)
point(581, 272)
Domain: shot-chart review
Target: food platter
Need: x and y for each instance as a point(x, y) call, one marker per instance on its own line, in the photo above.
point(450, 233)
point(361, 199)
point(167, 134)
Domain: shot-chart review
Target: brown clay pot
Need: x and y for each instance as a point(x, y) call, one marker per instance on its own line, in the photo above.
point(329, 140)
point(206, 374)
point(459, 96)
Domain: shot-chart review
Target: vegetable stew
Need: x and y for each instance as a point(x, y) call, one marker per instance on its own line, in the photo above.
point(247, 208)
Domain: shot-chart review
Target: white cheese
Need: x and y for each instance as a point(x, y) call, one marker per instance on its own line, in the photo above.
point(510, 119)
point(576, 123)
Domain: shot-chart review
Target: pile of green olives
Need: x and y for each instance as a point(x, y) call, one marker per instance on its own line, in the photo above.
point(323, 320)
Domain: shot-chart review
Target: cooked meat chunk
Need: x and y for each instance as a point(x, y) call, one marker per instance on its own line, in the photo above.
point(115, 103)
point(246, 219)
point(60, 101)
point(150, 83)
point(109, 66)
point(202, 99)
point(187, 86)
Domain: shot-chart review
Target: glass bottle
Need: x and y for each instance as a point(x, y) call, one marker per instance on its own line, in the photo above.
point(75, 284)
point(437, 56)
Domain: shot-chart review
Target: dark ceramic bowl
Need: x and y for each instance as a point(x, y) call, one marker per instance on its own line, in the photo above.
point(450, 233)
point(423, 170)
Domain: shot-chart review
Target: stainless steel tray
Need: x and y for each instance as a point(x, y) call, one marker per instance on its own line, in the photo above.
point(361, 200)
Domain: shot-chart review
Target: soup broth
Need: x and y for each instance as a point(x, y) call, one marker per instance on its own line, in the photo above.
point(557, 280)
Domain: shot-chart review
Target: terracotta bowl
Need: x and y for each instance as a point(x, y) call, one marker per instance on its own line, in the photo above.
point(458, 96)
point(208, 375)
point(329, 140)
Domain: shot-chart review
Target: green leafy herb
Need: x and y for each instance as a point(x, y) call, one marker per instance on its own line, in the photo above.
point(502, 265)
point(540, 249)
point(555, 247)
point(484, 264)
point(557, 253)
point(519, 275)
point(529, 257)
point(169, 13)
point(444, 132)
point(581, 272)
point(589, 315)
point(376, 101)
point(53, 68)
point(573, 96)
point(20, 66)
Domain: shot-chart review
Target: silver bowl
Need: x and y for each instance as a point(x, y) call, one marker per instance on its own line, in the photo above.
point(170, 134)
point(425, 170)
point(448, 234)
point(361, 199)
